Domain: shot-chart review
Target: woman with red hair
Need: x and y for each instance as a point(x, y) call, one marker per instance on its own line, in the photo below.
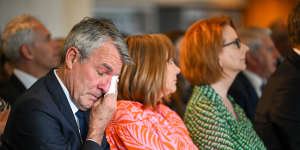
point(211, 55)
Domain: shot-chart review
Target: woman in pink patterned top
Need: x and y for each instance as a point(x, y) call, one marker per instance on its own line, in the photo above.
point(141, 121)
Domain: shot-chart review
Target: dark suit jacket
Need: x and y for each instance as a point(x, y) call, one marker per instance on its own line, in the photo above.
point(42, 119)
point(244, 94)
point(11, 89)
point(277, 118)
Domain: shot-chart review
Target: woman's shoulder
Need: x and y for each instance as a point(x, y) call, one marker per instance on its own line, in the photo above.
point(198, 99)
point(202, 102)
point(164, 108)
point(168, 112)
point(129, 105)
point(128, 111)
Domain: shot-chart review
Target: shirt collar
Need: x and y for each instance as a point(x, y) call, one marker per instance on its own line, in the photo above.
point(73, 106)
point(27, 79)
point(255, 80)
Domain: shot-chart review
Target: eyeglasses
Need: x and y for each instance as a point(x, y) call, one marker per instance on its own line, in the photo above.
point(237, 42)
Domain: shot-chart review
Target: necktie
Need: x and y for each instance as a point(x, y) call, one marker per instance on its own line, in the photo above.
point(82, 124)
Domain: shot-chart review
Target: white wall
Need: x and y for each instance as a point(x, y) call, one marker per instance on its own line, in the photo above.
point(58, 15)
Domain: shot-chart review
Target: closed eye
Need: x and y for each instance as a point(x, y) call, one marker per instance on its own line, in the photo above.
point(100, 74)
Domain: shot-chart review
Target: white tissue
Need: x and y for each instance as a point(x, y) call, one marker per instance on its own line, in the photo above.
point(113, 85)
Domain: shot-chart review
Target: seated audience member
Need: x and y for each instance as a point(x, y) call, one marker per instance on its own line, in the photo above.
point(27, 43)
point(277, 115)
point(69, 108)
point(261, 61)
point(211, 55)
point(141, 120)
point(180, 98)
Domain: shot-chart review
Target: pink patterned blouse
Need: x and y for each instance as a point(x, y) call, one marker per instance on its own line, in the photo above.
point(134, 127)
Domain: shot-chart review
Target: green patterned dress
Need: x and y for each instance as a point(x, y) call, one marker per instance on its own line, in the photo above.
point(212, 126)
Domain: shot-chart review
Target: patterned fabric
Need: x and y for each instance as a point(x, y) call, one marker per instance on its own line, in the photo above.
point(3, 105)
point(134, 127)
point(4, 112)
point(212, 126)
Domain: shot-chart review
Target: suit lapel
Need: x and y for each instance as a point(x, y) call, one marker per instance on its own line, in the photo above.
point(250, 87)
point(60, 99)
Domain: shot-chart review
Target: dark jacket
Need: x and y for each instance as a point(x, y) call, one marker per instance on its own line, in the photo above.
point(277, 118)
point(42, 119)
point(244, 94)
point(11, 89)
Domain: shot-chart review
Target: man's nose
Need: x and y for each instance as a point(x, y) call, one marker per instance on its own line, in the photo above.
point(104, 84)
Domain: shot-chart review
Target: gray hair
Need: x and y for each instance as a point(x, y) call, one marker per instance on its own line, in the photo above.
point(18, 32)
point(91, 33)
point(251, 36)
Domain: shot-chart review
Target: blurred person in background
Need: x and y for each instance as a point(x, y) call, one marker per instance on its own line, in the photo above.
point(261, 61)
point(180, 98)
point(277, 115)
point(27, 43)
point(141, 120)
point(211, 56)
point(280, 37)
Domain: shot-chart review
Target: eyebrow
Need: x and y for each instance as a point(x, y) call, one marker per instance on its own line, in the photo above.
point(108, 67)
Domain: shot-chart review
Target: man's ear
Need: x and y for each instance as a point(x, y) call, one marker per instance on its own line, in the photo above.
point(72, 57)
point(26, 52)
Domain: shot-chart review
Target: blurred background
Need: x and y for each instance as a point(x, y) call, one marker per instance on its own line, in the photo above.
point(145, 16)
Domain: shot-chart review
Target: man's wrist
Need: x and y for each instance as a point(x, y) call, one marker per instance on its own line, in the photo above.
point(96, 134)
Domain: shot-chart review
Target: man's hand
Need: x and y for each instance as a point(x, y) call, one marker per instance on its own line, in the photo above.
point(101, 113)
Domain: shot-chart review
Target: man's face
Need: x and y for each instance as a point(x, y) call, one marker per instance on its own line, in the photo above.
point(91, 77)
point(46, 54)
point(267, 57)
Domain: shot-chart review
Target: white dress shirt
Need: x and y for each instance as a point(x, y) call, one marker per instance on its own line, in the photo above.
point(26, 79)
point(256, 81)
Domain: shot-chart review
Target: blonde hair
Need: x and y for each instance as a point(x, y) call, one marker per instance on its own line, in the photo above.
point(143, 81)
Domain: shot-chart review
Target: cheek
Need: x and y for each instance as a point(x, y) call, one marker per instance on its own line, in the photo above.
point(78, 88)
point(171, 85)
point(90, 82)
point(237, 55)
point(84, 80)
